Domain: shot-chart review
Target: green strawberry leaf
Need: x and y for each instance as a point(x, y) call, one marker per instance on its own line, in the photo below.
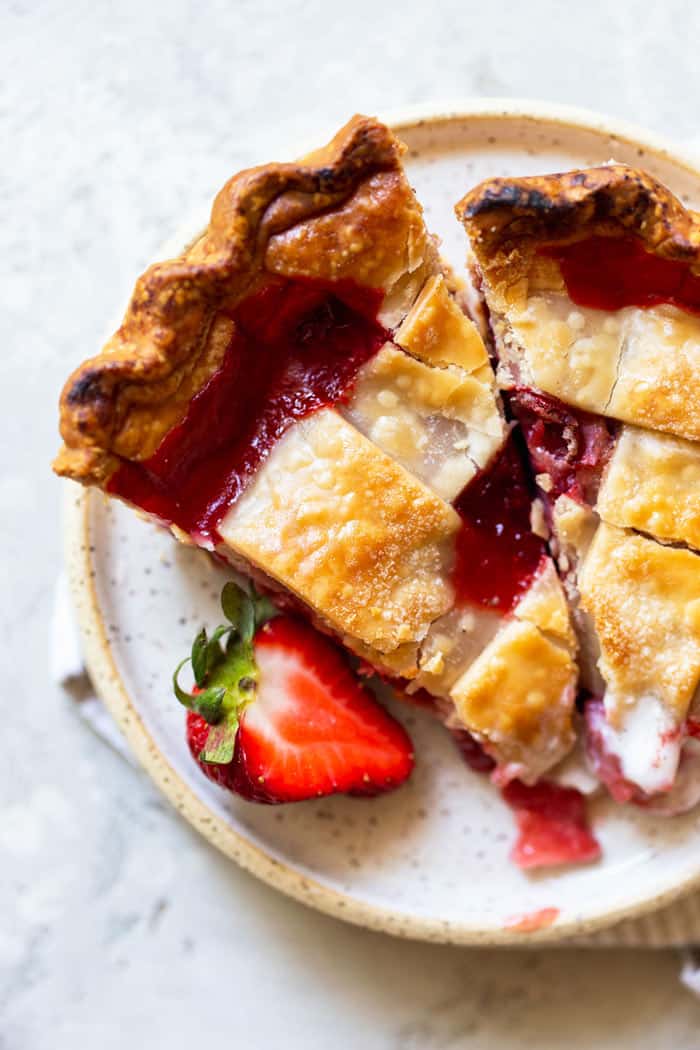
point(215, 654)
point(226, 675)
point(220, 743)
point(246, 622)
point(233, 598)
point(186, 699)
point(200, 657)
point(221, 631)
point(209, 704)
point(264, 609)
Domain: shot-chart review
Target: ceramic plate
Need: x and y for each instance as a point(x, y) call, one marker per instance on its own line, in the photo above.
point(430, 860)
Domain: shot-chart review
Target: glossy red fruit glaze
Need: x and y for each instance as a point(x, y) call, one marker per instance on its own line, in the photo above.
point(568, 444)
point(552, 825)
point(297, 347)
point(497, 552)
point(312, 729)
point(609, 273)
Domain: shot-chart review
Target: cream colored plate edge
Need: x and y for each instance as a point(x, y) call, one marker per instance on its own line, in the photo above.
point(516, 118)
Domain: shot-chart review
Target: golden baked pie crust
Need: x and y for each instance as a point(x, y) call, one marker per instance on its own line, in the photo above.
point(338, 522)
point(518, 697)
point(652, 484)
point(644, 600)
point(345, 211)
point(609, 362)
point(507, 219)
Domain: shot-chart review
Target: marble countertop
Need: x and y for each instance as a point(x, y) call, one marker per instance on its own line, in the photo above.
point(121, 926)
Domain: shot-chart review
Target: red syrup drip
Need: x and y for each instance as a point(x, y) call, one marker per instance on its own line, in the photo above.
point(297, 347)
point(498, 554)
point(609, 273)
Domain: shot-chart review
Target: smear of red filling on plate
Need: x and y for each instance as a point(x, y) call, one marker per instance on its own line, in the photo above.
point(552, 825)
point(552, 822)
point(609, 273)
point(297, 347)
point(497, 553)
point(532, 920)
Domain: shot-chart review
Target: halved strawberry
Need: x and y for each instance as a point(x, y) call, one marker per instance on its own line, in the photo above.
point(278, 716)
point(552, 825)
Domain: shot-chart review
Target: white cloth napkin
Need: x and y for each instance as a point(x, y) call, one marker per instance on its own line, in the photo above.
point(675, 926)
point(68, 670)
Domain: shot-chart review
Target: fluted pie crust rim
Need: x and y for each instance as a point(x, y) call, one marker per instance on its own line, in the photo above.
point(508, 216)
point(169, 342)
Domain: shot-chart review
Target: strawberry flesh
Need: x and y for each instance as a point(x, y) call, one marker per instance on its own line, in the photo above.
point(568, 444)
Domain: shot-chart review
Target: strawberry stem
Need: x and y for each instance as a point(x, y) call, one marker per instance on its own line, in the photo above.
point(225, 676)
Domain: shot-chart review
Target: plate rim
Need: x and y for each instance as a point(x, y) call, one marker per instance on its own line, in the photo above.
point(112, 690)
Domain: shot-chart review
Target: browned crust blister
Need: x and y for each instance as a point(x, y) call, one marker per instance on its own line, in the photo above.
point(317, 217)
point(504, 216)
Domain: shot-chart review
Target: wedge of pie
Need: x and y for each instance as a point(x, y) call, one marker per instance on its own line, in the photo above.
point(300, 393)
point(592, 282)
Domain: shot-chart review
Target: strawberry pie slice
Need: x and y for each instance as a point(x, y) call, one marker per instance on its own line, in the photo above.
point(300, 394)
point(592, 282)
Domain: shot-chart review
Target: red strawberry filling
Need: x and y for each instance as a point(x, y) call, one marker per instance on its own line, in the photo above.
point(497, 553)
point(552, 822)
point(297, 347)
point(568, 444)
point(692, 728)
point(609, 273)
point(533, 920)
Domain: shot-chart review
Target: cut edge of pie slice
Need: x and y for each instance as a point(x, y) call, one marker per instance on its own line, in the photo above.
point(592, 284)
point(592, 281)
point(300, 393)
point(344, 213)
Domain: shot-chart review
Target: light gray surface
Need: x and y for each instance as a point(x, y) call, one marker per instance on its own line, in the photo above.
point(120, 927)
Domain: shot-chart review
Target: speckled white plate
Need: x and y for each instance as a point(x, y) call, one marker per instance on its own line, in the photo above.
point(430, 860)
